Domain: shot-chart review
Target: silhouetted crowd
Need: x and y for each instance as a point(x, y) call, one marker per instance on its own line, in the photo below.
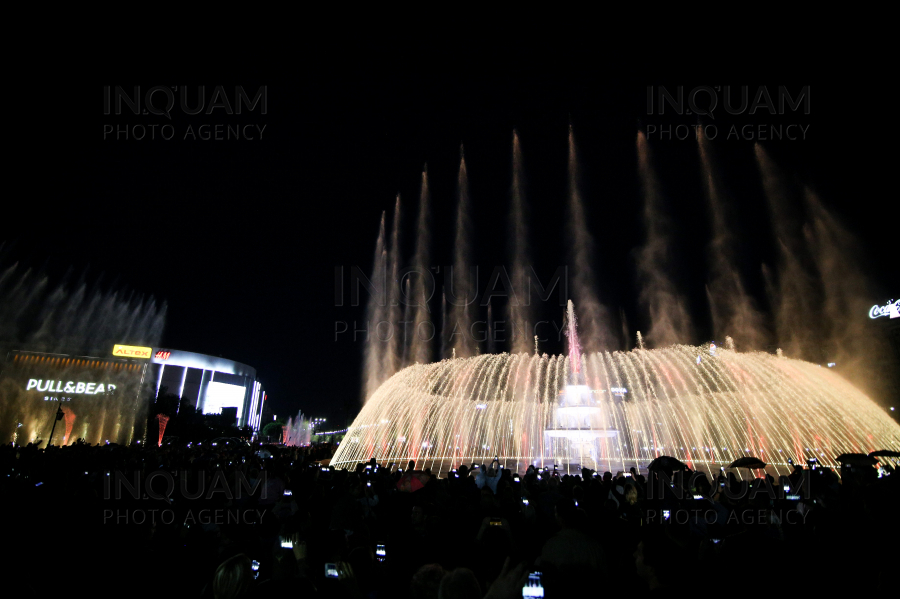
point(257, 521)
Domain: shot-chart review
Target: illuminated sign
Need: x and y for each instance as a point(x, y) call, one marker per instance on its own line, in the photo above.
point(891, 309)
point(74, 387)
point(620, 391)
point(162, 355)
point(131, 351)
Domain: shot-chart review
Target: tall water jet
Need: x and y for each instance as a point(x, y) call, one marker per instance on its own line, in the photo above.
point(491, 333)
point(595, 320)
point(423, 331)
point(572, 336)
point(376, 318)
point(403, 331)
point(519, 311)
point(626, 335)
point(463, 293)
point(669, 318)
point(794, 288)
point(393, 355)
point(733, 310)
point(445, 333)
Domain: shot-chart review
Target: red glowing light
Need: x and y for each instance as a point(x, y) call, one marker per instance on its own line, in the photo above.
point(163, 420)
point(70, 421)
point(163, 355)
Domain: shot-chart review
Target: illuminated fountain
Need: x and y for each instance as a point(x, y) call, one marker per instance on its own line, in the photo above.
point(704, 405)
point(296, 432)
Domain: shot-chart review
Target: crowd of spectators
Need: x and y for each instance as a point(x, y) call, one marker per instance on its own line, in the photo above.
point(249, 521)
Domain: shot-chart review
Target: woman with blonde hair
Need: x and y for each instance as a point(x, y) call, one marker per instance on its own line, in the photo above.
point(233, 578)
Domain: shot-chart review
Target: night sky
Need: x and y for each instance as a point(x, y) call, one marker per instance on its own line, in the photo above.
point(241, 237)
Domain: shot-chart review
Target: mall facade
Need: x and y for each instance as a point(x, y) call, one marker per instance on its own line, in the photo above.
point(209, 384)
point(106, 398)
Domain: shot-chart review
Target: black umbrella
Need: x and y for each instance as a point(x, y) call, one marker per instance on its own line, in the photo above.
point(667, 464)
point(748, 462)
point(885, 453)
point(856, 459)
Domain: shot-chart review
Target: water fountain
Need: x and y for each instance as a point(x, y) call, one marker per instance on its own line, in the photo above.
point(296, 433)
point(614, 410)
point(605, 409)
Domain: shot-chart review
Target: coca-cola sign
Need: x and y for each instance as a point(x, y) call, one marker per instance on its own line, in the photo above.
point(890, 309)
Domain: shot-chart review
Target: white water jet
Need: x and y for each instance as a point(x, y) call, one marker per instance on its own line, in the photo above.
point(392, 360)
point(595, 318)
point(423, 329)
point(519, 312)
point(376, 314)
point(463, 292)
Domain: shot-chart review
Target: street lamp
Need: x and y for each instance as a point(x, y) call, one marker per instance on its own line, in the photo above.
point(59, 416)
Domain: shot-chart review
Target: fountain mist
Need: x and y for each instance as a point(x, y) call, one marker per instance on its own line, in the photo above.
point(68, 324)
point(668, 313)
point(794, 287)
point(733, 310)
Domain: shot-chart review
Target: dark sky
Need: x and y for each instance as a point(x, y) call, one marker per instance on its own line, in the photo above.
point(241, 238)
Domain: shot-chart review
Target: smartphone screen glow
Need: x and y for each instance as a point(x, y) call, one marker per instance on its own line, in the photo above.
point(533, 588)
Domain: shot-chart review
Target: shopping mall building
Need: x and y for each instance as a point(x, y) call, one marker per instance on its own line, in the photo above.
point(209, 383)
point(106, 397)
